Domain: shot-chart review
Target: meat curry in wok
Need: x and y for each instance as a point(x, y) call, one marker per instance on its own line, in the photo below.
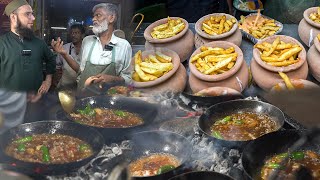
point(106, 118)
point(243, 126)
point(49, 149)
point(295, 161)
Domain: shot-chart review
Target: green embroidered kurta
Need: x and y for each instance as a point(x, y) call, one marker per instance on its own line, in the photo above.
point(20, 72)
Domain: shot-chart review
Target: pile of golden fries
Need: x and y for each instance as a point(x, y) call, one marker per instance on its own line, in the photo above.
point(169, 29)
point(211, 61)
point(215, 25)
point(315, 16)
point(279, 53)
point(318, 36)
point(152, 67)
point(260, 28)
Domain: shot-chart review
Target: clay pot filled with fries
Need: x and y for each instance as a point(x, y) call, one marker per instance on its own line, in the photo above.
point(309, 26)
point(217, 27)
point(293, 84)
point(218, 63)
point(313, 58)
point(158, 70)
point(256, 27)
point(172, 33)
point(278, 54)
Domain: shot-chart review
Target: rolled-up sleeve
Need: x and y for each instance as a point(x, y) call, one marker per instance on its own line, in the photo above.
point(126, 72)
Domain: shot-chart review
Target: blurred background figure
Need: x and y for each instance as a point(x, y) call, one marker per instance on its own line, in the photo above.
point(67, 74)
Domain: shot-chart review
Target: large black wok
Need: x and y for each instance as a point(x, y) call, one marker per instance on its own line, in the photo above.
point(147, 111)
point(147, 142)
point(218, 111)
point(207, 101)
point(89, 135)
point(203, 175)
point(256, 152)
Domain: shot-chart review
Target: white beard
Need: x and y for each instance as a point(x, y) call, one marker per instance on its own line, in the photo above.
point(98, 29)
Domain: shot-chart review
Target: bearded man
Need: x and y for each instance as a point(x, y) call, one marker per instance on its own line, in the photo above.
point(104, 57)
point(22, 55)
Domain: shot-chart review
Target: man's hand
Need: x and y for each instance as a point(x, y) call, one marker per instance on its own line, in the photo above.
point(57, 46)
point(32, 97)
point(44, 88)
point(100, 79)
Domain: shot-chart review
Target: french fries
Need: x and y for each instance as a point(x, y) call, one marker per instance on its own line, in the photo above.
point(215, 25)
point(279, 53)
point(152, 67)
point(211, 61)
point(315, 16)
point(258, 26)
point(318, 36)
point(286, 80)
point(169, 29)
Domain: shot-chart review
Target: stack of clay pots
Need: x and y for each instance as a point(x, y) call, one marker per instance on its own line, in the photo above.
point(236, 78)
point(182, 43)
point(175, 80)
point(308, 29)
point(313, 57)
point(234, 35)
point(266, 76)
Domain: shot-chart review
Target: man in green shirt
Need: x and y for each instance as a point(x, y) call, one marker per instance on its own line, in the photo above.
point(22, 54)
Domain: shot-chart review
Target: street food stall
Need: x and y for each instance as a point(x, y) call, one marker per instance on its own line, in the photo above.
point(226, 97)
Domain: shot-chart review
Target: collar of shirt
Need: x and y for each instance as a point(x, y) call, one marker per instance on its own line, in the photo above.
point(113, 40)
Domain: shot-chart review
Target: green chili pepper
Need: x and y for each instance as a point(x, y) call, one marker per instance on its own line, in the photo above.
point(273, 165)
point(238, 122)
point(21, 147)
point(24, 139)
point(226, 119)
point(112, 91)
point(87, 111)
point(217, 135)
point(120, 113)
point(45, 154)
point(297, 155)
point(165, 168)
point(283, 155)
point(83, 147)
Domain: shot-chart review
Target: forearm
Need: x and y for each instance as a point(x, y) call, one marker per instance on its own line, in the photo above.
point(71, 62)
point(48, 78)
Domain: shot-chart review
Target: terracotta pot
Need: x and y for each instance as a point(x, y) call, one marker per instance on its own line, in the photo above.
point(287, 39)
point(183, 46)
point(218, 77)
point(218, 91)
point(175, 61)
point(198, 27)
point(297, 83)
point(149, 29)
point(237, 81)
point(267, 79)
point(235, 38)
point(313, 56)
point(176, 83)
point(308, 29)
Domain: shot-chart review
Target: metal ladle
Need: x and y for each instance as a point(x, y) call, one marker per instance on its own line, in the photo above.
point(67, 100)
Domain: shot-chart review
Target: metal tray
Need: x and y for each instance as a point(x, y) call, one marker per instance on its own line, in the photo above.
point(255, 40)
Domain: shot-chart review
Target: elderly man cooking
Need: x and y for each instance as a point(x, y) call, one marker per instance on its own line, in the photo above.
point(104, 57)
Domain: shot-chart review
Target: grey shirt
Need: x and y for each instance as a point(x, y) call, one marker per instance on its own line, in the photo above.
point(13, 107)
